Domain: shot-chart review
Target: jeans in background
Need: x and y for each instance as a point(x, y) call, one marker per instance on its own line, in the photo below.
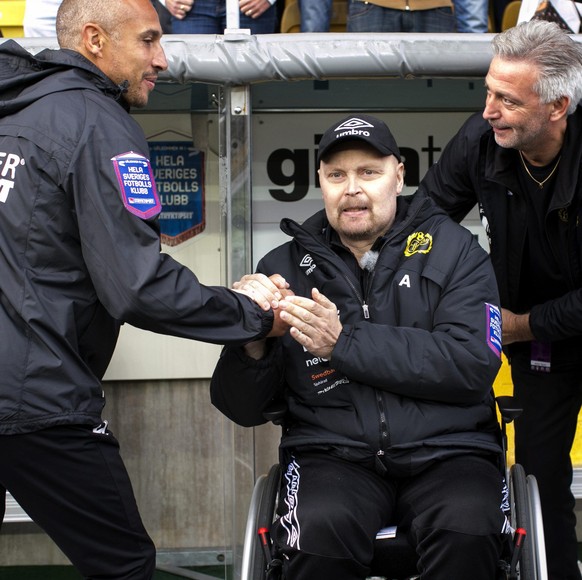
point(209, 17)
point(315, 15)
point(472, 15)
point(363, 17)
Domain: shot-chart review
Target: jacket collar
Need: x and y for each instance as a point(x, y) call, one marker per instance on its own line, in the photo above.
point(25, 78)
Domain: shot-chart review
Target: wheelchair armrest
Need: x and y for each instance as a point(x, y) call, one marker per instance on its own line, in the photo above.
point(508, 409)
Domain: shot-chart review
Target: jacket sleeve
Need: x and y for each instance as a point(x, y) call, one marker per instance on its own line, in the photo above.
point(243, 388)
point(133, 280)
point(558, 319)
point(455, 361)
point(450, 180)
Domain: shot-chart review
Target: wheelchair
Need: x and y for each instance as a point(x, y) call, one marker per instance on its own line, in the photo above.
point(523, 557)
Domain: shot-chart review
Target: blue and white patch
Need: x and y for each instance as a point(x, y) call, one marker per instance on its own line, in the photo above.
point(137, 185)
point(493, 317)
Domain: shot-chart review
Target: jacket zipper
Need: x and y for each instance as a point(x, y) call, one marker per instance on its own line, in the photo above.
point(384, 439)
point(384, 436)
point(361, 300)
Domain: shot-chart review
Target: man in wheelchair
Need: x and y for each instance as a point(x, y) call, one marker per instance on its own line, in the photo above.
point(387, 342)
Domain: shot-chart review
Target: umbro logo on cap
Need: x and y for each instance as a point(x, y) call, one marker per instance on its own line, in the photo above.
point(361, 128)
point(352, 124)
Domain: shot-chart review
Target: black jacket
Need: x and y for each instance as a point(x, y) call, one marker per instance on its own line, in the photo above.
point(410, 377)
point(472, 170)
point(74, 262)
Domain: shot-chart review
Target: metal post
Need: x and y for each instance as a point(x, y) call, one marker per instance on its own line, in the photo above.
point(232, 15)
point(235, 160)
point(235, 186)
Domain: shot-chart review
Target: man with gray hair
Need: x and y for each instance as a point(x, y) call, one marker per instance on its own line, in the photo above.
point(520, 162)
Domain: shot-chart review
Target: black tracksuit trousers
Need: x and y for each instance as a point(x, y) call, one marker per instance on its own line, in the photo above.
point(544, 434)
point(72, 482)
point(452, 513)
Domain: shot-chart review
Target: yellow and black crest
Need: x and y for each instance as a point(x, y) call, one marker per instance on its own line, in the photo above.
point(418, 243)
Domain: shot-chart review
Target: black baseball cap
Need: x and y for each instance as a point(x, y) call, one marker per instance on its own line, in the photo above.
point(362, 128)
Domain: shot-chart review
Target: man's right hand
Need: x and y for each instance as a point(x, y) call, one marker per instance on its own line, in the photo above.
point(266, 291)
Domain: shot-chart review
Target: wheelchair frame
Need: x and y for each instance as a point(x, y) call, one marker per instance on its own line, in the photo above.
point(524, 556)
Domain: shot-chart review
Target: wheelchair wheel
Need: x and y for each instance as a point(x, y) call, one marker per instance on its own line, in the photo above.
point(261, 515)
point(249, 547)
point(526, 514)
point(521, 519)
point(535, 508)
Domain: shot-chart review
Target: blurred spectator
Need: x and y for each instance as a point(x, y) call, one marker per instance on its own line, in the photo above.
point(209, 16)
point(471, 15)
point(498, 8)
point(565, 13)
point(164, 16)
point(315, 15)
point(40, 17)
point(389, 16)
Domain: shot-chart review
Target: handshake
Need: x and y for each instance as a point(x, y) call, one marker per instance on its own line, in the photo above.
point(313, 322)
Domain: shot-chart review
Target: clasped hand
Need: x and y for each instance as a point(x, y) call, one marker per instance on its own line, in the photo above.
point(313, 322)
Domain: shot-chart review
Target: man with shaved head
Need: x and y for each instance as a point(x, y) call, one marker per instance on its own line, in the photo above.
point(79, 256)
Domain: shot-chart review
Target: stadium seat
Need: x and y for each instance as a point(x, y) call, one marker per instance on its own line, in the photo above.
point(11, 16)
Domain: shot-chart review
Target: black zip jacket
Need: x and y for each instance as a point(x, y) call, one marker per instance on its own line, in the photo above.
point(409, 380)
point(472, 170)
point(75, 263)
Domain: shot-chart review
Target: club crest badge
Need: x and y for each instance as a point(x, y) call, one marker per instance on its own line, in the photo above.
point(418, 243)
point(137, 185)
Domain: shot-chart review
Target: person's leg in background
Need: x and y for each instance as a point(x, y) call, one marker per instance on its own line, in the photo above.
point(331, 510)
point(205, 17)
point(431, 20)
point(471, 15)
point(499, 7)
point(266, 23)
point(364, 17)
point(72, 482)
point(544, 434)
point(315, 15)
point(164, 16)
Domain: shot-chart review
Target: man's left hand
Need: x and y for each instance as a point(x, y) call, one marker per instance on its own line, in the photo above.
point(254, 8)
point(315, 324)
